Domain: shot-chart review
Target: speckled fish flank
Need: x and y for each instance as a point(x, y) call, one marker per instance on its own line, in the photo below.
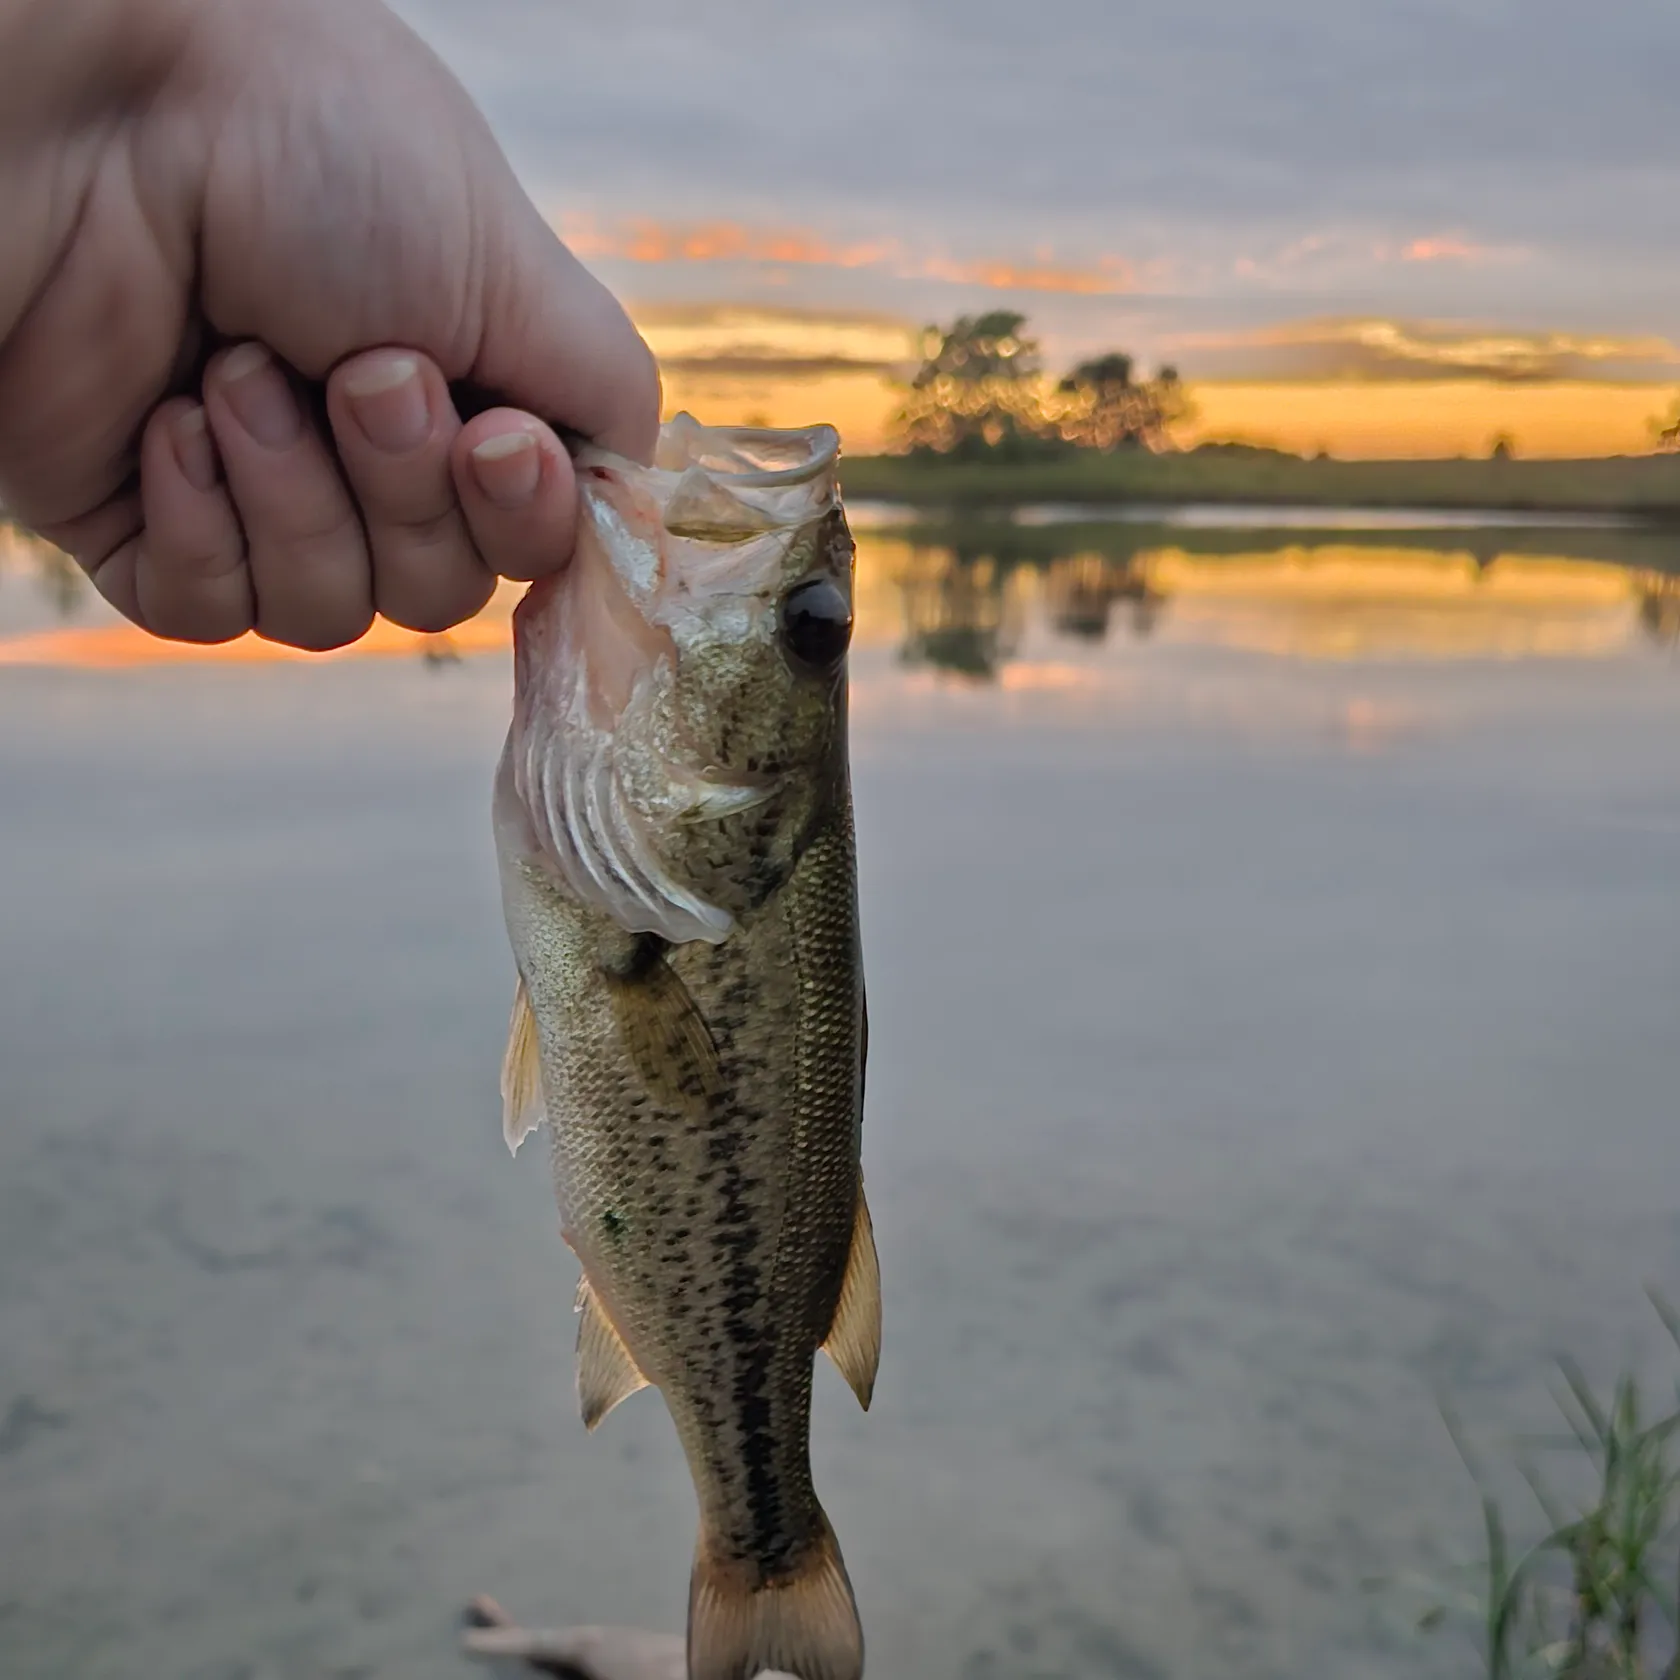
point(673, 820)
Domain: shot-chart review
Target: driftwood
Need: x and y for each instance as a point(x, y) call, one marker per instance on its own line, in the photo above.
point(491, 1636)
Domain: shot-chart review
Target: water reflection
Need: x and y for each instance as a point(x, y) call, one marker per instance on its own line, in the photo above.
point(960, 613)
point(1082, 590)
point(1659, 609)
point(439, 648)
point(966, 598)
point(968, 606)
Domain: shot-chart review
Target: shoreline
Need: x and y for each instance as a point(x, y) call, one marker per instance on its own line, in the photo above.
point(1637, 489)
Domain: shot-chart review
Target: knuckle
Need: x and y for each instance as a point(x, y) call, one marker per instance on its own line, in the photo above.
point(441, 607)
point(310, 527)
point(199, 628)
point(319, 633)
point(428, 533)
point(195, 592)
point(201, 564)
point(429, 619)
point(314, 548)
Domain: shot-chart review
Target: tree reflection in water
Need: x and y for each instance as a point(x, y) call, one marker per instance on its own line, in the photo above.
point(974, 585)
point(960, 615)
point(965, 608)
point(1659, 608)
point(1080, 592)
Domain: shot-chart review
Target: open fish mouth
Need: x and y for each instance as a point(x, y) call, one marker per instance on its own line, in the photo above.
point(750, 457)
point(729, 484)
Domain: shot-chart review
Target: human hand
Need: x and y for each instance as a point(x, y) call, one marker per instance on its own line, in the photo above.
point(258, 273)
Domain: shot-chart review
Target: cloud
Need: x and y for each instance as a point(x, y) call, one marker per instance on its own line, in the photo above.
point(1454, 248)
point(1378, 348)
point(1458, 112)
point(731, 339)
point(649, 240)
point(646, 240)
point(1308, 155)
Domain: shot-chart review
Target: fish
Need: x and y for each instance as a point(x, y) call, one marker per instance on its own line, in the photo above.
point(673, 824)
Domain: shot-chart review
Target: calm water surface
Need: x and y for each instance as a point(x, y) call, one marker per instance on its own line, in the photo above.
point(1273, 953)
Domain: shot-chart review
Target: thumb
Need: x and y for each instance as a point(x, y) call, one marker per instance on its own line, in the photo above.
point(556, 342)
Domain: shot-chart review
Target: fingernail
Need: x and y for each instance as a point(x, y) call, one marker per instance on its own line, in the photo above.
point(389, 402)
point(261, 400)
point(195, 454)
point(507, 468)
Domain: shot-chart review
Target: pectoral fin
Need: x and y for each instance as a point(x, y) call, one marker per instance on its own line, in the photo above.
point(666, 1035)
point(523, 1109)
point(606, 1372)
point(854, 1339)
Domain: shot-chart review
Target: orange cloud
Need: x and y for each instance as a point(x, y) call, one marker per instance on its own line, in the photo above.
point(1446, 249)
point(644, 240)
point(1349, 251)
point(1111, 276)
point(1452, 247)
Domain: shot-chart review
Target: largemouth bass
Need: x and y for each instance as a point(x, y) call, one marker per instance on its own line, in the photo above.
point(673, 821)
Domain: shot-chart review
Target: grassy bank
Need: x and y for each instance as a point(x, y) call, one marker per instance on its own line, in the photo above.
point(1644, 485)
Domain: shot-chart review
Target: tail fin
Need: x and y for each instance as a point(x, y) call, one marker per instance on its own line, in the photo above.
point(804, 1624)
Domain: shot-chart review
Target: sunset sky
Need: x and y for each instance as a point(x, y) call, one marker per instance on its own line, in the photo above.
point(1377, 228)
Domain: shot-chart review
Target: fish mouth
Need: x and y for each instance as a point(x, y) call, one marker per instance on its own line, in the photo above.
point(749, 457)
point(730, 484)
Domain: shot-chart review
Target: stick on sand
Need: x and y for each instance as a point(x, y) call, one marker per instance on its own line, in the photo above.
point(491, 1636)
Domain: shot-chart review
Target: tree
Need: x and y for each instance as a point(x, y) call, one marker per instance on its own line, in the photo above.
point(980, 394)
point(1105, 407)
point(1667, 429)
point(980, 347)
point(976, 393)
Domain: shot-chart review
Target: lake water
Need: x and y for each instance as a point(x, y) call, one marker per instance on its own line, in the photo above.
point(1273, 944)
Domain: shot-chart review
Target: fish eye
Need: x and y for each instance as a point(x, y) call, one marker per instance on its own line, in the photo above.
point(817, 623)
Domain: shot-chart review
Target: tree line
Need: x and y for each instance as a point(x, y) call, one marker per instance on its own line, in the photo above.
point(981, 393)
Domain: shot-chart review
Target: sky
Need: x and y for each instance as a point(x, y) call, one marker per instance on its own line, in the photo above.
point(1348, 192)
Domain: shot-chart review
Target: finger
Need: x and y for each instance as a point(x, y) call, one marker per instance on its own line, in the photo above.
point(309, 563)
point(517, 488)
point(558, 343)
point(394, 424)
point(105, 544)
point(191, 583)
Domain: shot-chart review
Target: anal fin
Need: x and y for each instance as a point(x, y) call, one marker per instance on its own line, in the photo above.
point(606, 1371)
point(523, 1108)
point(854, 1339)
